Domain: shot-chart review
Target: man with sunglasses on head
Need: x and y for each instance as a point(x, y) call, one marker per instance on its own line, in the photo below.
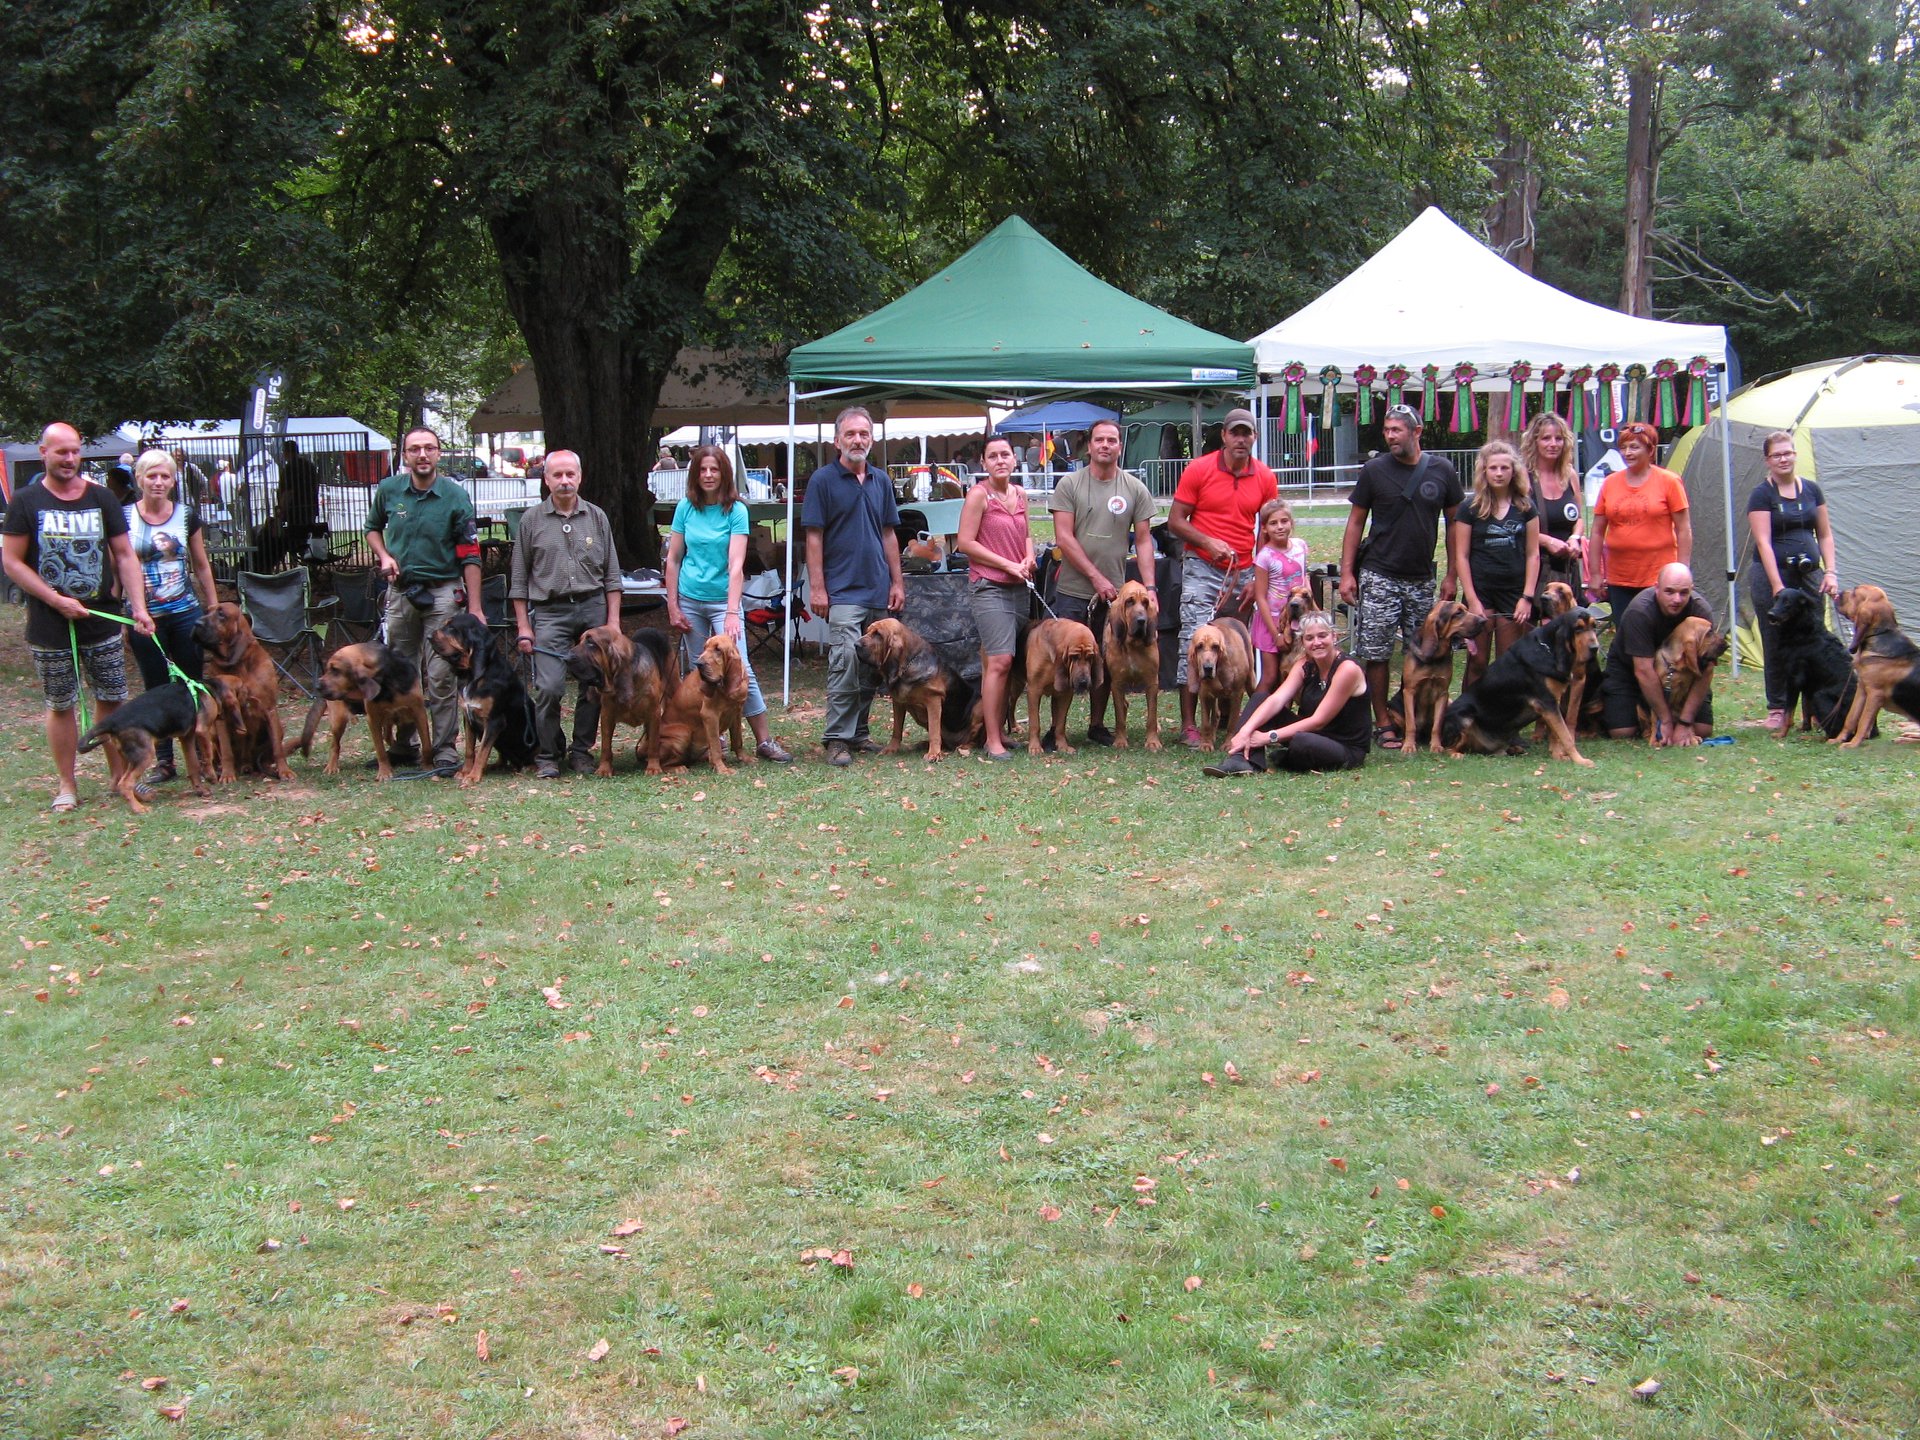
point(1406, 493)
point(1215, 506)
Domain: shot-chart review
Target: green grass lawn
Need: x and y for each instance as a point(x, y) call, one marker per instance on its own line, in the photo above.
point(1071, 1099)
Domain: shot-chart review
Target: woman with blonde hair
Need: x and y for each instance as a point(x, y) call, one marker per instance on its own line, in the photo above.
point(1494, 541)
point(1547, 454)
point(165, 530)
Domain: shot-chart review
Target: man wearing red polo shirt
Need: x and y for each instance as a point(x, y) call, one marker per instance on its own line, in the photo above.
point(1215, 507)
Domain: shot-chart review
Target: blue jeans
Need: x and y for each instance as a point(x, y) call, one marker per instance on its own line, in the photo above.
point(174, 630)
point(708, 618)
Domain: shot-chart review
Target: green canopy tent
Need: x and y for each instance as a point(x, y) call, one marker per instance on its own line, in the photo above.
point(1012, 320)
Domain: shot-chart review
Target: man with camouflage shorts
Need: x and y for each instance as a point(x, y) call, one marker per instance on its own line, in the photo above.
point(1407, 493)
point(1215, 506)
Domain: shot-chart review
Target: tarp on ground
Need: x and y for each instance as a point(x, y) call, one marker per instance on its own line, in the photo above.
point(1434, 295)
point(1856, 423)
point(1016, 317)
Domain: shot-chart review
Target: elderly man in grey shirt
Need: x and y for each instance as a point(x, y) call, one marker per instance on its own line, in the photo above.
point(565, 569)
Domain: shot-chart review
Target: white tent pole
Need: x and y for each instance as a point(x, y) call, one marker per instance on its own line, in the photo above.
point(1196, 427)
point(1261, 430)
point(786, 605)
point(1726, 485)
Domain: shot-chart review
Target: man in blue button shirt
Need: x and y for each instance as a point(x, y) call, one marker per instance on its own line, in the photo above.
point(853, 574)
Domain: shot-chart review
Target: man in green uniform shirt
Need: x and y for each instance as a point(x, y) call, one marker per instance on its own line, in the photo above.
point(421, 527)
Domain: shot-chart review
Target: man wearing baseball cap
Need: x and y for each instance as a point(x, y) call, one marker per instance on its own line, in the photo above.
point(1406, 493)
point(1215, 506)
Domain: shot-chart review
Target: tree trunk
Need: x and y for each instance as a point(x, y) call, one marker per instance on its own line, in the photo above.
point(1643, 90)
point(598, 382)
point(1516, 197)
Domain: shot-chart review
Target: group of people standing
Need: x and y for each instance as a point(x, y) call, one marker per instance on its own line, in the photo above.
point(97, 573)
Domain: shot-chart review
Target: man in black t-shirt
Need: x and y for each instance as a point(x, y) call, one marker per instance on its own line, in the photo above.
point(1405, 493)
point(66, 545)
point(1633, 676)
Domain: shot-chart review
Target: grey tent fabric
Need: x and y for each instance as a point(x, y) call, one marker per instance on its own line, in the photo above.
point(1706, 503)
point(1871, 478)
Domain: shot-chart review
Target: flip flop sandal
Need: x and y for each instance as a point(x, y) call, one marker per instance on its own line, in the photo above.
point(63, 802)
point(1386, 737)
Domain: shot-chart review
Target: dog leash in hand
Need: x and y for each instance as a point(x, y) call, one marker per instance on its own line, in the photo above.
point(195, 688)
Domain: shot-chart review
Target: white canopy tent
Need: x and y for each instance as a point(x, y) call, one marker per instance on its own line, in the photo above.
point(1434, 295)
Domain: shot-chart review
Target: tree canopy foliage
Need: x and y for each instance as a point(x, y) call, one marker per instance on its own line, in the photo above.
point(412, 194)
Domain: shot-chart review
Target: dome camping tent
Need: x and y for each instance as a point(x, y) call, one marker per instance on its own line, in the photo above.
point(1856, 423)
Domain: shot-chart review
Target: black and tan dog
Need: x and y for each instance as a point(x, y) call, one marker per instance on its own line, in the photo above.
point(496, 711)
point(1132, 655)
point(1220, 675)
point(1885, 661)
point(166, 712)
point(709, 698)
point(371, 680)
point(1582, 704)
point(634, 677)
point(240, 673)
point(1682, 662)
point(922, 684)
point(1062, 660)
point(1426, 669)
point(1525, 685)
point(1818, 673)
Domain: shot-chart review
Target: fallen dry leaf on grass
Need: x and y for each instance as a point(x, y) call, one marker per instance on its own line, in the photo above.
point(1647, 1388)
point(481, 1348)
point(629, 1227)
point(598, 1352)
point(179, 1307)
point(674, 1426)
point(1049, 1213)
point(154, 1382)
point(172, 1412)
point(1337, 1163)
point(847, 1374)
point(1192, 1283)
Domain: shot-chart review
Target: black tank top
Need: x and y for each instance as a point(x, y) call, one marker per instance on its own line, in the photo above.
point(1558, 517)
point(1353, 726)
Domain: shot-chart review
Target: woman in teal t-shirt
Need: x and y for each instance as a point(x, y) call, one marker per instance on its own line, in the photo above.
point(706, 560)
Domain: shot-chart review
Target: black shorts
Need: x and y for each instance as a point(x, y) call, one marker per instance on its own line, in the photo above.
point(1623, 702)
point(1088, 611)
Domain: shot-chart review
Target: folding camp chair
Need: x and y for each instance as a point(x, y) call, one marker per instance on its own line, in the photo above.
point(506, 633)
point(766, 611)
point(287, 620)
point(362, 595)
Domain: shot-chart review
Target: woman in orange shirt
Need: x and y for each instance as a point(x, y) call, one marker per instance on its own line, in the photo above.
point(1640, 522)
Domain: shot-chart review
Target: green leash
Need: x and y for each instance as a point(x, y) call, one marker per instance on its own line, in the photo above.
point(195, 688)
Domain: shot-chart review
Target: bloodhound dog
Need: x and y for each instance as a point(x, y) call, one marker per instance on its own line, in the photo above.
point(634, 677)
point(1220, 675)
point(1063, 660)
point(371, 680)
point(922, 685)
point(240, 673)
point(1426, 670)
point(1527, 683)
point(1132, 654)
point(708, 699)
point(1682, 661)
point(1885, 662)
point(497, 710)
point(1581, 703)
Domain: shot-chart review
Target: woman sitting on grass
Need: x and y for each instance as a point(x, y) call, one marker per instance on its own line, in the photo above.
point(1326, 719)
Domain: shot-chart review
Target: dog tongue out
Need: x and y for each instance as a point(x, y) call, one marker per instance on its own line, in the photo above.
point(1473, 647)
